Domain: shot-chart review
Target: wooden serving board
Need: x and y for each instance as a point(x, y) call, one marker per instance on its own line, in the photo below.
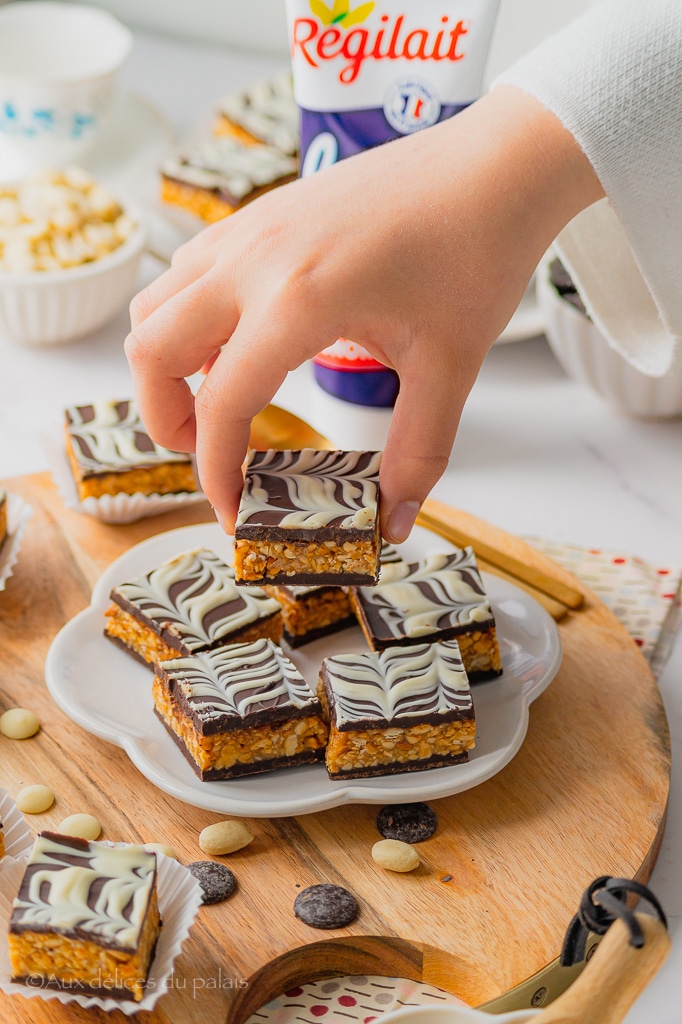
point(585, 796)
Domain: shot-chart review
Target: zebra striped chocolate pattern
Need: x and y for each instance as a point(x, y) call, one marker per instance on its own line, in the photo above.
point(196, 598)
point(311, 489)
point(400, 682)
point(110, 436)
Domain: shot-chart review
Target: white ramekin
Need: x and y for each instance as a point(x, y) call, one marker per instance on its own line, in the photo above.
point(53, 306)
point(586, 356)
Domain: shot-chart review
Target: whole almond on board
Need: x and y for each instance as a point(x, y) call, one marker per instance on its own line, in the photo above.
point(225, 837)
point(393, 855)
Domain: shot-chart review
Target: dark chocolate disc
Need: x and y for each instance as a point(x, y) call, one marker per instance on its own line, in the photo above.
point(410, 823)
point(326, 906)
point(216, 881)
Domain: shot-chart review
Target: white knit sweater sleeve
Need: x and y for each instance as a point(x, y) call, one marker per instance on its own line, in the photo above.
point(614, 78)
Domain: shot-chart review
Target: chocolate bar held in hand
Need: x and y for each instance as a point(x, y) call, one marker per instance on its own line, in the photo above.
point(309, 517)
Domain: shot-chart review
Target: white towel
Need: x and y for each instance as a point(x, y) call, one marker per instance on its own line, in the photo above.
point(613, 77)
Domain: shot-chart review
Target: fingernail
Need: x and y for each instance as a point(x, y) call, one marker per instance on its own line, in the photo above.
point(402, 520)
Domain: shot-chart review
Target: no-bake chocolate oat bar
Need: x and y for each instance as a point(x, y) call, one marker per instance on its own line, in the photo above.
point(187, 605)
point(2, 840)
point(309, 613)
point(309, 517)
point(222, 175)
point(312, 612)
point(86, 918)
point(266, 112)
point(398, 710)
point(439, 598)
point(110, 452)
point(239, 709)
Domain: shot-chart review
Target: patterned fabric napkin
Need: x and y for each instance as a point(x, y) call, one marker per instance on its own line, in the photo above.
point(646, 599)
point(355, 1000)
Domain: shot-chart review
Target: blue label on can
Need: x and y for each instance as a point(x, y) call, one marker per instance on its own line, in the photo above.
point(328, 137)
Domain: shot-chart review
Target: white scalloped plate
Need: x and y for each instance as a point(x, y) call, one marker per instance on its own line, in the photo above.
point(107, 692)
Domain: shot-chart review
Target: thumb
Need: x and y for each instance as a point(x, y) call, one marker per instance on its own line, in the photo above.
point(420, 439)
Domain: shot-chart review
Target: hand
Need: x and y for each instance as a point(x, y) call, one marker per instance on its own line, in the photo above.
point(420, 250)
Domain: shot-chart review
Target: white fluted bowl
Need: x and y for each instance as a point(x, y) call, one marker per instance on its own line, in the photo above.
point(48, 307)
point(586, 356)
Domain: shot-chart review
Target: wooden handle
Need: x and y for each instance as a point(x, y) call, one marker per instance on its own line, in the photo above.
point(555, 608)
point(613, 978)
point(442, 520)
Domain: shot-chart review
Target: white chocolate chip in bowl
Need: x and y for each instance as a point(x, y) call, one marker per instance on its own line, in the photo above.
point(69, 254)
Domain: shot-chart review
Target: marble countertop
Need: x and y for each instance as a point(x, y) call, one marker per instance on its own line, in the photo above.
point(536, 454)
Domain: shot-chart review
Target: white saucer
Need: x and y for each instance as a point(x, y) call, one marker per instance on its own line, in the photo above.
point(135, 140)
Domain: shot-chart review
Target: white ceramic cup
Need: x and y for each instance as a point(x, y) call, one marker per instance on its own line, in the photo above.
point(58, 68)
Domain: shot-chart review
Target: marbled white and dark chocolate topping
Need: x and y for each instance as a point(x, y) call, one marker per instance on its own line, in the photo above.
point(239, 685)
point(268, 111)
point(109, 437)
point(310, 490)
point(85, 890)
point(401, 685)
point(229, 167)
point(419, 599)
point(194, 599)
point(389, 554)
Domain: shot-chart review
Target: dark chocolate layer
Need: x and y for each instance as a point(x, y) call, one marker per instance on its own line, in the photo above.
point(350, 579)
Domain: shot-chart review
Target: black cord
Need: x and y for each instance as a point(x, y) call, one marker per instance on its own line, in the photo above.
point(602, 903)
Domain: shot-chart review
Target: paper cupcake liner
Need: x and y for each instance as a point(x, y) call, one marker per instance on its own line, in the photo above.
point(111, 508)
point(179, 899)
point(18, 840)
point(18, 514)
